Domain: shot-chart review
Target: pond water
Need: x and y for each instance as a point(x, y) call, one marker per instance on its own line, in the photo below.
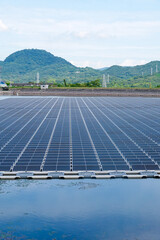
point(80, 209)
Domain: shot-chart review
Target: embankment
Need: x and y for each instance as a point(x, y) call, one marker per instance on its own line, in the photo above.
point(83, 92)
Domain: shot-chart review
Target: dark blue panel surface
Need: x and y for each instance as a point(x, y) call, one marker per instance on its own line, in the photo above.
point(79, 134)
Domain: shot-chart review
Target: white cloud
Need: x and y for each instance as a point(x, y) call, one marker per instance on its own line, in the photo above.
point(81, 34)
point(96, 39)
point(117, 29)
point(84, 28)
point(132, 62)
point(3, 27)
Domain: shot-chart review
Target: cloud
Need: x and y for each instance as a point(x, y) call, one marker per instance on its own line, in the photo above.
point(83, 25)
point(3, 27)
point(117, 29)
point(132, 62)
point(88, 38)
point(83, 29)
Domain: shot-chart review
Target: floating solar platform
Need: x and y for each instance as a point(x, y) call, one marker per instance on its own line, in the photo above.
point(78, 137)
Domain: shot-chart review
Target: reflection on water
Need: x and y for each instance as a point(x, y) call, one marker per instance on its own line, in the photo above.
point(79, 184)
point(80, 209)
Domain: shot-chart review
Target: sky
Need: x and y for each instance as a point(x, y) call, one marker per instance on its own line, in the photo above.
point(85, 32)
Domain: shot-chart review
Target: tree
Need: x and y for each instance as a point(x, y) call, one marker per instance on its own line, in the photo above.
point(65, 84)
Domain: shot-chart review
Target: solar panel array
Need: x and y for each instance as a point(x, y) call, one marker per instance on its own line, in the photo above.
point(79, 134)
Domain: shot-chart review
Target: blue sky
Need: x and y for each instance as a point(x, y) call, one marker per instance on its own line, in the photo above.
point(87, 32)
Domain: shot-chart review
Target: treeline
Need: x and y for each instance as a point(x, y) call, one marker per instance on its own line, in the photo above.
point(95, 83)
point(64, 83)
point(134, 82)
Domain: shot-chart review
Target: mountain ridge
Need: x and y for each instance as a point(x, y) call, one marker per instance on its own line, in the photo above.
point(23, 65)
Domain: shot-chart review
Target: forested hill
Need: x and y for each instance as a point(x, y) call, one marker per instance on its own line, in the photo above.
point(128, 72)
point(22, 66)
point(35, 57)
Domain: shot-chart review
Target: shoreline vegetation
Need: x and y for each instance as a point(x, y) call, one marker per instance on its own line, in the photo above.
point(83, 85)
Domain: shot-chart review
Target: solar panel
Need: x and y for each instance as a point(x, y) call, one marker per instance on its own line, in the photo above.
point(79, 134)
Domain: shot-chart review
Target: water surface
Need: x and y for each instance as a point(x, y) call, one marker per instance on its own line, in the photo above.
point(80, 209)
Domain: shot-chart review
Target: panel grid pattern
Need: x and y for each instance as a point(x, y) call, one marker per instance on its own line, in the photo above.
point(79, 134)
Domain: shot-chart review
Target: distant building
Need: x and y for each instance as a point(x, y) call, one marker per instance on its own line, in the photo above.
point(3, 85)
point(44, 87)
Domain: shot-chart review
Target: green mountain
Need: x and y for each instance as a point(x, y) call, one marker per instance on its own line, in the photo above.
point(22, 66)
point(128, 72)
point(137, 82)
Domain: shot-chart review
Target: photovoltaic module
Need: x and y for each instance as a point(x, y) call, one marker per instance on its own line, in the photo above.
point(79, 134)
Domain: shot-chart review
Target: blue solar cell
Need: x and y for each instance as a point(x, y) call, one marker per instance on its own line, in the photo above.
point(109, 167)
point(4, 168)
point(93, 167)
point(20, 168)
point(103, 132)
point(63, 168)
point(122, 167)
point(33, 168)
point(49, 168)
point(79, 168)
point(152, 167)
point(138, 167)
